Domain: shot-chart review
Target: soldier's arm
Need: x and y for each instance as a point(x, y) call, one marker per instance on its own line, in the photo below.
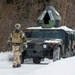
point(10, 38)
point(23, 36)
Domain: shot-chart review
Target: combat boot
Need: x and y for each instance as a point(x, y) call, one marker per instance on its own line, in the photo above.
point(14, 66)
point(18, 65)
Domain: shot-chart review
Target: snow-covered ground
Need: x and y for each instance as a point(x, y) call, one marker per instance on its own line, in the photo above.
point(61, 67)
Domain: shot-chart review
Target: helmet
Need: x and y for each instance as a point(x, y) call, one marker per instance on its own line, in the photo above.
point(17, 25)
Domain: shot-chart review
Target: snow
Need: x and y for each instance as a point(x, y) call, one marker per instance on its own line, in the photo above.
point(5, 56)
point(61, 27)
point(35, 27)
point(66, 28)
point(61, 67)
point(53, 41)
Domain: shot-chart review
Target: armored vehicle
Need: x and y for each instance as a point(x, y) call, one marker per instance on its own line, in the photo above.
point(52, 43)
point(48, 40)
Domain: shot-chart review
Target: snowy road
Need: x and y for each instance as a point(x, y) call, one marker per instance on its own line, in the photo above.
point(6, 69)
point(28, 67)
point(61, 67)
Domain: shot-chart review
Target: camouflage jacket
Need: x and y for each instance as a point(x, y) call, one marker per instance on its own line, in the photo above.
point(17, 37)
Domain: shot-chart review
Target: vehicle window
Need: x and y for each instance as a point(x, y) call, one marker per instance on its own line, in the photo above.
point(53, 34)
point(28, 34)
point(45, 34)
point(33, 34)
point(36, 34)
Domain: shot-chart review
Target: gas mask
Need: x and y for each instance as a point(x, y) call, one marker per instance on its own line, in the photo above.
point(17, 30)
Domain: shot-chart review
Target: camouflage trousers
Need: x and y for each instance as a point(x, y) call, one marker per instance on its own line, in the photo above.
point(16, 54)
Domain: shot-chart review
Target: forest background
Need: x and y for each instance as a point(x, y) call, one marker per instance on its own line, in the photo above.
point(26, 13)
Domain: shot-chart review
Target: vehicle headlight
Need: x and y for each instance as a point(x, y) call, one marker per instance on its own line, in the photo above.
point(44, 46)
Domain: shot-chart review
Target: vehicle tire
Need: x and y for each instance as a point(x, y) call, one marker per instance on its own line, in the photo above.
point(67, 53)
point(73, 52)
point(56, 53)
point(37, 60)
point(22, 60)
point(22, 57)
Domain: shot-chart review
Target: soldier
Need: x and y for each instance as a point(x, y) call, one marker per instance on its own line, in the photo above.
point(17, 37)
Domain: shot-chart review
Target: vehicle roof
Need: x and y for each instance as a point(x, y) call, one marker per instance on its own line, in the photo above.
point(65, 28)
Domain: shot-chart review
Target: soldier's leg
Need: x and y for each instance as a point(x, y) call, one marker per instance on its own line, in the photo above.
point(14, 54)
point(14, 62)
point(18, 58)
point(18, 61)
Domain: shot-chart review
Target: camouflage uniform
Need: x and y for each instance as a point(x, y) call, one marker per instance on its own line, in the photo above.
point(17, 37)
